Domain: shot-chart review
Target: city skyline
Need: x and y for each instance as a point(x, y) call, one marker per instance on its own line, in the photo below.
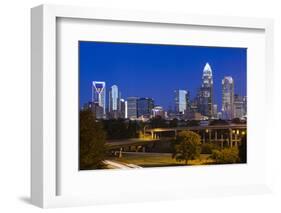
point(147, 105)
point(166, 97)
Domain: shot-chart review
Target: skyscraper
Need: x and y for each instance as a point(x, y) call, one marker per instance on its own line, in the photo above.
point(205, 102)
point(227, 98)
point(114, 106)
point(98, 94)
point(132, 107)
point(215, 111)
point(245, 105)
point(238, 110)
point(122, 108)
point(144, 106)
point(181, 101)
point(158, 111)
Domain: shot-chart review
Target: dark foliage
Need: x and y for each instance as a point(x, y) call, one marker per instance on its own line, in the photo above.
point(208, 148)
point(173, 123)
point(226, 156)
point(120, 128)
point(193, 123)
point(219, 122)
point(187, 146)
point(91, 142)
point(243, 150)
point(158, 122)
point(237, 121)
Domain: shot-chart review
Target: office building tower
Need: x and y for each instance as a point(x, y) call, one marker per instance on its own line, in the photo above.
point(98, 95)
point(132, 107)
point(158, 111)
point(219, 115)
point(122, 108)
point(181, 101)
point(215, 111)
point(205, 96)
point(95, 109)
point(227, 98)
point(144, 107)
point(114, 107)
point(238, 106)
point(126, 109)
point(245, 105)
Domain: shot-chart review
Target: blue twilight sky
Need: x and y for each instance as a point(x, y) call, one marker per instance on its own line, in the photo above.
point(149, 70)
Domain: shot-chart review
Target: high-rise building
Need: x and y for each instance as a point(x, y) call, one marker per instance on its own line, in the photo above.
point(181, 101)
point(158, 111)
point(144, 107)
point(215, 111)
point(98, 95)
point(205, 96)
point(126, 109)
point(122, 108)
point(114, 107)
point(245, 105)
point(132, 107)
point(95, 109)
point(219, 115)
point(227, 98)
point(238, 109)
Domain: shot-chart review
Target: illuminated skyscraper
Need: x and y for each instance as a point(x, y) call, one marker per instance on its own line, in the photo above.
point(238, 106)
point(114, 106)
point(158, 111)
point(98, 94)
point(122, 108)
point(215, 111)
point(205, 99)
point(145, 106)
point(227, 98)
point(132, 107)
point(245, 105)
point(114, 98)
point(181, 101)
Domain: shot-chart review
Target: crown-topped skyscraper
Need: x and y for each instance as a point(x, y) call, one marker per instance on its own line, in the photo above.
point(206, 92)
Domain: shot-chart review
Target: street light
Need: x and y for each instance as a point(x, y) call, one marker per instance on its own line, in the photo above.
point(144, 135)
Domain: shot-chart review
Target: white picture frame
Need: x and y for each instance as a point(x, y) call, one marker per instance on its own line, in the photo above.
point(44, 147)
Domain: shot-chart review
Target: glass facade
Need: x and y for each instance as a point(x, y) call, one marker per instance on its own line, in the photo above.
point(144, 107)
point(132, 107)
point(227, 98)
point(98, 95)
point(206, 92)
point(181, 100)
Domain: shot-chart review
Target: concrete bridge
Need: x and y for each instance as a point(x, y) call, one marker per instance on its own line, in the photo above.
point(229, 135)
point(222, 135)
point(130, 145)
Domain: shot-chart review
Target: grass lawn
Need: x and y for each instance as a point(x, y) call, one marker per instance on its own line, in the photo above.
point(157, 159)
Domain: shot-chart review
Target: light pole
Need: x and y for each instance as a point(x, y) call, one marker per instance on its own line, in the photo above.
point(144, 131)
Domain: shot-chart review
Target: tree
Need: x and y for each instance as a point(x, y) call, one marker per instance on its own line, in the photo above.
point(158, 122)
point(91, 142)
point(226, 156)
point(243, 150)
point(187, 146)
point(218, 122)
point(193, 123)
point(115, 128)
point(173, 123)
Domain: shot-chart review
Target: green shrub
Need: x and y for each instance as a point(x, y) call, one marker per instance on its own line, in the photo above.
point(207, 148)
point(225, 156)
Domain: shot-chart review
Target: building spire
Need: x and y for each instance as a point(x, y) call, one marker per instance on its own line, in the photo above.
point(207, 70)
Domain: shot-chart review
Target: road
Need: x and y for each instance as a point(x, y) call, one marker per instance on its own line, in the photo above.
point(118, 165)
